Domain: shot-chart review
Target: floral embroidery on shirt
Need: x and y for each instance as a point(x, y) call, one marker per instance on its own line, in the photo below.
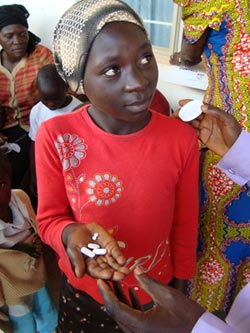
point(71, 150)
point(104, 189)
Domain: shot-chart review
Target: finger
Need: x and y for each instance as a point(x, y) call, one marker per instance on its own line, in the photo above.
point(136, 304)
point(77, 261)
point(120, 293)
point(116, 266)
point(105, 240)
point(121, 312)
point(184, 101)
point(214, 111)
point(98, 268)
point(155, 289)
point(175, 114)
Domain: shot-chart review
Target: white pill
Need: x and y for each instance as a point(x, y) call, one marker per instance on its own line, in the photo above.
point(191, 110)
point(100, 251)
point(94, 237)
point(87, 252)
point(93, 246)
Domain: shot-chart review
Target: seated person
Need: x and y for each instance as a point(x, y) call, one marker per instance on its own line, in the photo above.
point(24, 298)
point(18, 70)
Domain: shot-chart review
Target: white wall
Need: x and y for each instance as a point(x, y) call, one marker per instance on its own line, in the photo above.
point(44, 14)
point(176, 83)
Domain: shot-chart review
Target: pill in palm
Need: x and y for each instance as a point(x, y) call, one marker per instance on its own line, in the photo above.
point(94, 237)
point(87, 252)
point(100, 251)
point(191, 110)
point(93, 246)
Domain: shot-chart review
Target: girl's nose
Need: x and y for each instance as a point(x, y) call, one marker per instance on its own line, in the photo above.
point(136, 80)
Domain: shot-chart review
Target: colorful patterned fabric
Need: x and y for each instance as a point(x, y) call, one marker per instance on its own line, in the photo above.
point(18, 91)
point(224, 241)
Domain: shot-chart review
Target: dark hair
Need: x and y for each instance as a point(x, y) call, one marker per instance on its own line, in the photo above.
point(49, 75)
point(5, 166)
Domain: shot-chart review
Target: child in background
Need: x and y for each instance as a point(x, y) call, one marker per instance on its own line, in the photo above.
point(23, 295)
point(54, 101)
point(113, 173)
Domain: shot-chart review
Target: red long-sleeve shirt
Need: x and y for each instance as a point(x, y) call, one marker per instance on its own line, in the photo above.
point(143, 186)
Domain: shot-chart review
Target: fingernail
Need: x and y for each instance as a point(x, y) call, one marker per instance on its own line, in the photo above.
point(138, 270)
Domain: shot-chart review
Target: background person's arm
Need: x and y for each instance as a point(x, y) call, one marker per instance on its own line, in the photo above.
point(190, 54)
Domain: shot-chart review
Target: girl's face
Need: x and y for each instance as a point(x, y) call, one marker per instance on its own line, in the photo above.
point(121, 75)
point(14, 40)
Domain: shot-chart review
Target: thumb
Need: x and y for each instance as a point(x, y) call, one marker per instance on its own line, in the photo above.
point(120, 312)
point(215, 112)
point(224, 118)
point(152, 287)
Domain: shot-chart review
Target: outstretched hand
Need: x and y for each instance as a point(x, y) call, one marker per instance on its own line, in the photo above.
point(172, 312)
point(216, 129)
point(108, 267)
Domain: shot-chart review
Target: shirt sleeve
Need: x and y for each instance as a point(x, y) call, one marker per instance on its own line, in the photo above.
point(33, 129)
point(183, 248)
point(236, 162)
point(198, 15)
point(237, 320)
point(54, 212)
point(209, 323)
point(239, 314)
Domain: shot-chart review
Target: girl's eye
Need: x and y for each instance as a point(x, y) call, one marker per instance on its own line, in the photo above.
point(112, 71)
point(146, 59)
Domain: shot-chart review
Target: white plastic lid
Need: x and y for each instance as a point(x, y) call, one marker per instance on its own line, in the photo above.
point(191, 110)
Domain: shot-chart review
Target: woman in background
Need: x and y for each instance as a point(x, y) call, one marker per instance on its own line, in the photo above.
point(21, 58)
point(219, 32)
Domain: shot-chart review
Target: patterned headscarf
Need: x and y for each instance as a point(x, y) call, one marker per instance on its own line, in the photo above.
point(76, 31)
point(13, 14)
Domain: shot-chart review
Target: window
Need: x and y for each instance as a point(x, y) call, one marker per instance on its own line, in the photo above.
point(163, 22)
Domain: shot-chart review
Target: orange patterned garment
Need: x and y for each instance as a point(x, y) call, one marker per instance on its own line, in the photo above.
point(18, 91)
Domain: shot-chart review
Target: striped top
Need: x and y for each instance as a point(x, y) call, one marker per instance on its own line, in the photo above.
point(18, 91)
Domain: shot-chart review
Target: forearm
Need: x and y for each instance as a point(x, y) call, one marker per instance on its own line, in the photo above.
point(54, 211)
point(191, 53)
